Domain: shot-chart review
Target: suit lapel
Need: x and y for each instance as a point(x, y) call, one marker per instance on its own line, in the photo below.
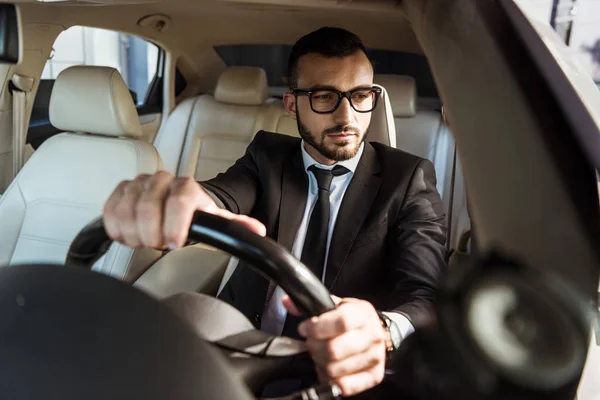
point(355, 206)
point(294, 189)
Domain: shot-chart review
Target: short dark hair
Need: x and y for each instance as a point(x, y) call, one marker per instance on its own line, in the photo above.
point(326, 41)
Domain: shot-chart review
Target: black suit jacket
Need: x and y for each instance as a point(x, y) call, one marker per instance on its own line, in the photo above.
point(388, 244)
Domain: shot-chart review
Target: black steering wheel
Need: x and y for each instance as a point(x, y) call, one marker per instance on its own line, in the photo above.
point(256, 357)
point(264, 254)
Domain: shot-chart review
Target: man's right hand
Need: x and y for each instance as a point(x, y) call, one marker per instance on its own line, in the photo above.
point(156, 211)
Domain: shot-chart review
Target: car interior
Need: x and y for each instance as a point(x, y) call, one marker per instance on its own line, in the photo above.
point(66, 141)
point(206, 132)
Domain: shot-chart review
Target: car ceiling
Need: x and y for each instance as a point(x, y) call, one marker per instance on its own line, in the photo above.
point(197, 24)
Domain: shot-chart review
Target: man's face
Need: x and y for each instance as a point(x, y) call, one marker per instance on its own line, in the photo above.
point(336, 136)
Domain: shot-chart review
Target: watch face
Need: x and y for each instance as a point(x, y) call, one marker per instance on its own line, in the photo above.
point(395, 335)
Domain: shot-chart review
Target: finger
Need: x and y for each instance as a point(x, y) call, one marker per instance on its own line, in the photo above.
point(359, 382)
point(126, 211)
point(185, 197)
point(348, 316)
point(109, 213)
point(250, 223)
point(149, 210)
point(356, 363)
point(290, 306)
point(344, 346)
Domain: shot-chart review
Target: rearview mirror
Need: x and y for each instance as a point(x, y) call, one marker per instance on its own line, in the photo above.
point(10, 51)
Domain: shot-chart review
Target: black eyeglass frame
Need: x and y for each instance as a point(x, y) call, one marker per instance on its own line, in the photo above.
point(348, 95)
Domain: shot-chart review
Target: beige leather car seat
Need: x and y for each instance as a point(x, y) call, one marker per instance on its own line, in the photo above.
point(204, 135)
point(69, 178)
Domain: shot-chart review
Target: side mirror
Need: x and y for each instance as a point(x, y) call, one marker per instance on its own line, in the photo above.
point(10, 51)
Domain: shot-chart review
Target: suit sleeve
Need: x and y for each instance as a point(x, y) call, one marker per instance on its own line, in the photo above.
point(238, 188)
point(417, 255)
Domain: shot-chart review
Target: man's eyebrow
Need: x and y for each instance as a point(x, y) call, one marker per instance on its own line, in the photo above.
point(326, 87)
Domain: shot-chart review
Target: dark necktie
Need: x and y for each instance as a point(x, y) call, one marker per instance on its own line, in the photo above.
point(315, 243)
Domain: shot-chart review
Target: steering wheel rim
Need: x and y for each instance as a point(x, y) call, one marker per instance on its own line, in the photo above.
point(263, 254)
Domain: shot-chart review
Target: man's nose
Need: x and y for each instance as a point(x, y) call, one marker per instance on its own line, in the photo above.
point(344, 114)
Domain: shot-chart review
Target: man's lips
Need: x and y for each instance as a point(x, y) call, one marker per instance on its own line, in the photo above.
point(341, 135)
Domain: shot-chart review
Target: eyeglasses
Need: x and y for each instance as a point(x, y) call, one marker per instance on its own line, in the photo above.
point(326, 101)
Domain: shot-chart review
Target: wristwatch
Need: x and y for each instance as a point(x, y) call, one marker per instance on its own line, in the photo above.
point(394, 332)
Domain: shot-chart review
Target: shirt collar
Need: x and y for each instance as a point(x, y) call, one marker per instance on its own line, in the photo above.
point(351, 164)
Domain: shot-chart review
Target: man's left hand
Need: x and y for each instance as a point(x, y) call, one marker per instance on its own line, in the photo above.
point(347, 344)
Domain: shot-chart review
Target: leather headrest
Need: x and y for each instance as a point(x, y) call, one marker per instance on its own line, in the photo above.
point(243, 86)
point(402, 91)
point(383, 128)
point(92, 99)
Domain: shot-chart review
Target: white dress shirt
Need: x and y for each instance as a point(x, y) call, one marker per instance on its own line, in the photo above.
point(275, 313)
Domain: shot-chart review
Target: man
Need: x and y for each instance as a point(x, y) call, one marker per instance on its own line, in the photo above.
point(364, 217)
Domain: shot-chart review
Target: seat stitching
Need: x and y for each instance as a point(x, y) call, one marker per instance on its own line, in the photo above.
point(121, 126)
point(47, 200)
point(45, 240)
point(187, 132)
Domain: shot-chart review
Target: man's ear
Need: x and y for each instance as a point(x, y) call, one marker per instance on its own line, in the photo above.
point(289, 102)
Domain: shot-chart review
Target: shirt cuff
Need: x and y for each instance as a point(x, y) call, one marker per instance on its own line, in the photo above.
point(403, 324)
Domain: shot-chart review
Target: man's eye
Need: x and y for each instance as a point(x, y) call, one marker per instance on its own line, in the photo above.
point(361, 95)
point(322, 96)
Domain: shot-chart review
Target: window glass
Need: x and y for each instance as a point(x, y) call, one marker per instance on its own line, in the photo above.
point(585, 36)
point(577, 22)
point(135, 58)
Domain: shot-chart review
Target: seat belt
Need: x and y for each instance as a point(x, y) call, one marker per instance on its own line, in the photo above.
point(20, 86)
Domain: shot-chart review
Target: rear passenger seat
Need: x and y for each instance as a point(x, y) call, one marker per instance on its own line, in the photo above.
point(204, 136)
